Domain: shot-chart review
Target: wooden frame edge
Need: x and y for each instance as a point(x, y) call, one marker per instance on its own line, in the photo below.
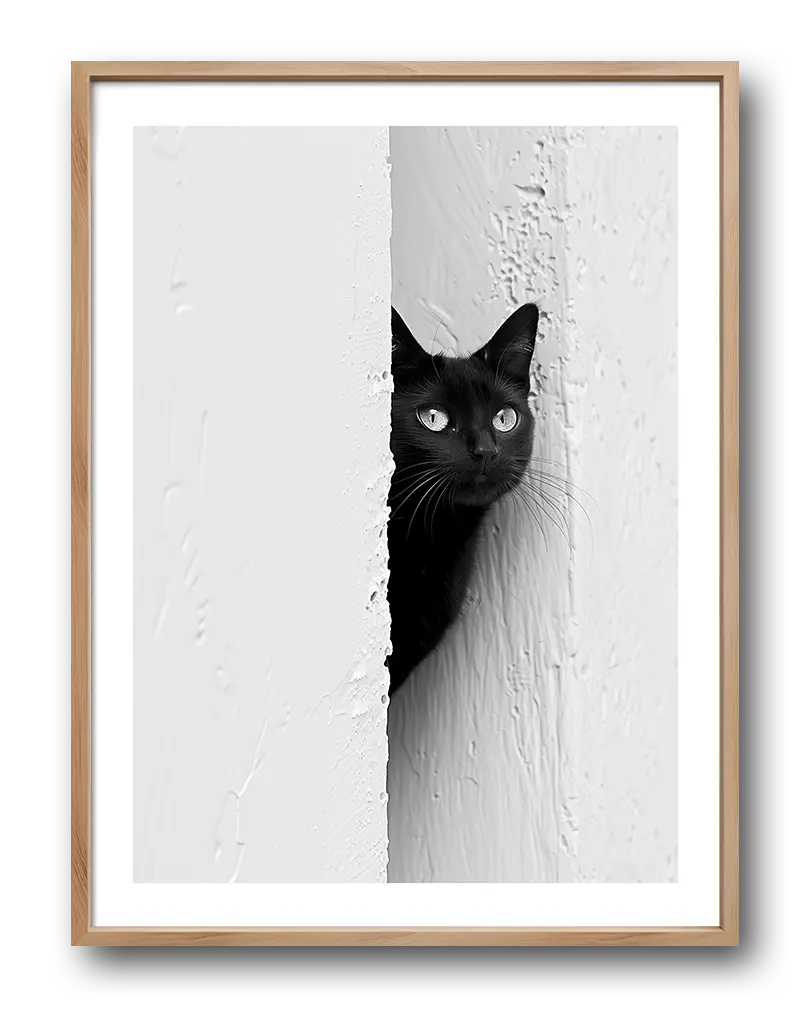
point(407, 70)
point(729, 501)
point(478, 936)
point(726, 74)
point(81, 502)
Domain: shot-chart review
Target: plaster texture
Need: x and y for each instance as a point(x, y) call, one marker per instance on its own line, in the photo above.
point(539, 742)
point(262, 387)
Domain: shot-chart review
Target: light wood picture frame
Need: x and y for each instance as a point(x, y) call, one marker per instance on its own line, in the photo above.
point(84, 76)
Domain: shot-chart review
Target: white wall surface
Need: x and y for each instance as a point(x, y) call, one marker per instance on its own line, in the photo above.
point(261, 403)
point(539, 742)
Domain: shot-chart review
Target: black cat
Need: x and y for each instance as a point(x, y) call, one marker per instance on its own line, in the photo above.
point(462, 433)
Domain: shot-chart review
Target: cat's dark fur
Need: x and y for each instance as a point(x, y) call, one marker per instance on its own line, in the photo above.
point(446, 481)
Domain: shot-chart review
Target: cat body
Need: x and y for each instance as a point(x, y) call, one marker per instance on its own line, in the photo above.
point(462, 435)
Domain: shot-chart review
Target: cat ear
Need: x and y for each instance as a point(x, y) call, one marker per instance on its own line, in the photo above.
point(511, 348)
point(406, 352)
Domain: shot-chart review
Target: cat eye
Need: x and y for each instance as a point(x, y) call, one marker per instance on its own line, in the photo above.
point(434, 418)
point(505, 419)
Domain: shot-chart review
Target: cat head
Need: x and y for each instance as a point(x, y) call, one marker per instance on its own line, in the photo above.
point(465, 420)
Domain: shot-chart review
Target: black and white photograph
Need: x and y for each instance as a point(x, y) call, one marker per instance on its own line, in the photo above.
point(406, 527)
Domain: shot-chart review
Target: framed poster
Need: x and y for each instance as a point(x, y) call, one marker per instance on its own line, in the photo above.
point(404, 503)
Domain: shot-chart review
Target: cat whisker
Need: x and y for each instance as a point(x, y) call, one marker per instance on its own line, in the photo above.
point(428, 491)
point(528, 460)
point(564, 486)
point(427, 506)
point(447, 485)
point(539, 507)
point(408, 498)
point(563, 516)
point(544, 490)
point(517, 500)
point(561, 489)
point(403, 481)
point(399, 474)
point(528, 494)
point(421, 482)
point(556, 483)
point(409, 478)
point(552, 493)
point(410, 467)
point(569, 467)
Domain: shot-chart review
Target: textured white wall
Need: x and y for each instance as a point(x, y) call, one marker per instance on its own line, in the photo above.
point(539, 743)
point(262, 386)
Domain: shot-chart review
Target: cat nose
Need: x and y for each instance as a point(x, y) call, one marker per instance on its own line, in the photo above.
point(483, 448)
